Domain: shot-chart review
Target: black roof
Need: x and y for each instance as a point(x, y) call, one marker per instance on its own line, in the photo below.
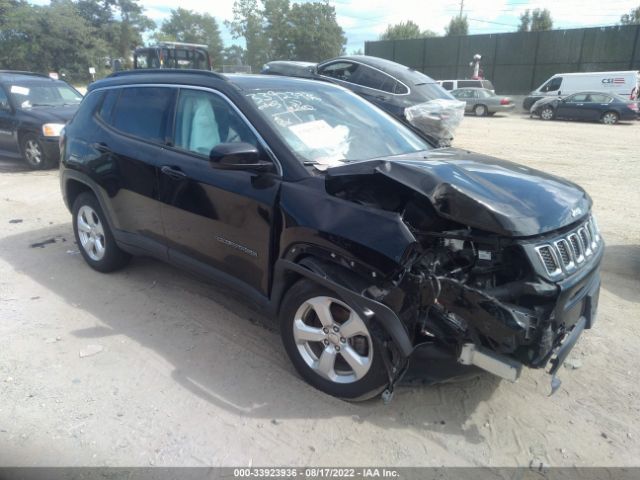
point(203, 78)
point(395, 69)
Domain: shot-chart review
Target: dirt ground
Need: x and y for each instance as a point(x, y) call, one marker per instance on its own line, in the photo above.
point(151, 366)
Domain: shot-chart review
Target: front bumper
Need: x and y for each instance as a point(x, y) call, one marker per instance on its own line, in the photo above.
point(51, 148)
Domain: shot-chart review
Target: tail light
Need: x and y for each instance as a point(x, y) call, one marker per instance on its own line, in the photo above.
point(505, 101)
point(633, 106)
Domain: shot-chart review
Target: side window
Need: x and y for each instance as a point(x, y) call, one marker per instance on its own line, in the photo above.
point(464, 93)
point(144, 112)
point(552, 85)
point(340, 70)
point(4, 100)
point(204, 120)
point(468, 83)
point(447, 85)
point(109, 101)
point(599, 98)
point(368, 77)
point(577, 98)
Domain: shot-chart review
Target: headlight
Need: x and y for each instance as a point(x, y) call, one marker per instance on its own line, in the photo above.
point(52, 129)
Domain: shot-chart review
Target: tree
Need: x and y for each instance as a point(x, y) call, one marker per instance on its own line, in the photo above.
point(277, 29)
point(405, 30)
point(46, 38)
point(357, 51)
point(188, 26)
point(120, 23)
point(315, 33)
point(457, 26)
point(536, 21)
point(631, 18)
point(525, 21)
point(247, 23)
point(234, 55)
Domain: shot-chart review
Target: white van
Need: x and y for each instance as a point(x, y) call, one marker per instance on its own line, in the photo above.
point(625, 84)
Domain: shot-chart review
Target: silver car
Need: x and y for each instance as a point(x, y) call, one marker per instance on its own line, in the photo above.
point(482, 102)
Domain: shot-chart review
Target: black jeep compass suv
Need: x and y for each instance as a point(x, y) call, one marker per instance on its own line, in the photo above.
point(372, 247)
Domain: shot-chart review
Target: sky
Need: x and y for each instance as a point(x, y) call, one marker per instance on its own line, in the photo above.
point(364, 20)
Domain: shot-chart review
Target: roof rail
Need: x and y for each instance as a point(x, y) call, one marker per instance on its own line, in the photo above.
point(22, 72)
point(158, 71)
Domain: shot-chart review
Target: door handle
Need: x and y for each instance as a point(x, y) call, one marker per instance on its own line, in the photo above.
point(173, 173)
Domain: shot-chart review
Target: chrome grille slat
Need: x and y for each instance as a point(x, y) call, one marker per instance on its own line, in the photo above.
point(570, 251)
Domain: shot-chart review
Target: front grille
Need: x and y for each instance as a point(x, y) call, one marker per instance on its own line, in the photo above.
point(548, 258)
point(569, 252)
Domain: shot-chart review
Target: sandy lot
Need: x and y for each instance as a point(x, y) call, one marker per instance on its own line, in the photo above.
point(182, 373)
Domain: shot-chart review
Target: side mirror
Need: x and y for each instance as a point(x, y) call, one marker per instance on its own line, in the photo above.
point(238, 156)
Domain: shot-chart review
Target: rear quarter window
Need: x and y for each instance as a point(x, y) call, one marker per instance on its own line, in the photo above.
point(144, 112)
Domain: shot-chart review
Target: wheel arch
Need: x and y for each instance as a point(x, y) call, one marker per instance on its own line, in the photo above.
point(347, 285)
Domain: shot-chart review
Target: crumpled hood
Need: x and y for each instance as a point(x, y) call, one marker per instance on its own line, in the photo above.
point(480, 191)
point(51, 114)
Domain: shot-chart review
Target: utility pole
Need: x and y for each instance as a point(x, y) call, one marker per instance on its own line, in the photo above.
point(461, 8)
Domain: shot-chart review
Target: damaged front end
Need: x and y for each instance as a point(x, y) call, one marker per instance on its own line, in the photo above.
point(473, 298)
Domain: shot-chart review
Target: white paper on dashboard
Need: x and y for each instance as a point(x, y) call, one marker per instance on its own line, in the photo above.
point(19, 90)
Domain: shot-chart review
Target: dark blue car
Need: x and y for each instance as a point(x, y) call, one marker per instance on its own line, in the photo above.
point(593, 106)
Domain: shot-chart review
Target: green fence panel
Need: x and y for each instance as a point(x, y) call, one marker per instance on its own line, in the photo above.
point(614, 44)
point(512, 78)
point(520, 61)
point(560, 46)
point(379, 49)
point(441, 51)
point(410, 53)
point(516, 48)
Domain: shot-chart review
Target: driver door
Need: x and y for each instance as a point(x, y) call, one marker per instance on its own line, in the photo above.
point(8, 123)
point(213, 218)
point(573, 107)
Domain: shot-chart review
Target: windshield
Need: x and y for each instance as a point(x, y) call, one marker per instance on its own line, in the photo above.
point(325, 126)
point(33, 94)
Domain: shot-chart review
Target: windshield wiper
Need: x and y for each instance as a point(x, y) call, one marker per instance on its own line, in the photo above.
point(43, 105)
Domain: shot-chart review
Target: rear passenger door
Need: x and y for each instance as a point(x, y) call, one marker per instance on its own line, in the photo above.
point(216, 220)
point(138, 122)
point(596, 105)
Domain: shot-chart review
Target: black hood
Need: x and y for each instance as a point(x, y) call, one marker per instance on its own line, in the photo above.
point(58, 114)
point(482, 192)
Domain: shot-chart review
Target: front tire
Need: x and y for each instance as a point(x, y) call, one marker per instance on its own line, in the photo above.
point(93, 236)
point(33, 153)
point(610, 118)
point(547, 113)
point(330, 346)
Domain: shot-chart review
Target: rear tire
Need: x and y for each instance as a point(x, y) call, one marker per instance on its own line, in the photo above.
point(93, 236)
point(480, 111)
point(332, 350)
point(610, 118)
point(33, 153)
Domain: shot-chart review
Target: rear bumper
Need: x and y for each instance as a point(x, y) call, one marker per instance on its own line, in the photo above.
point(502, 108)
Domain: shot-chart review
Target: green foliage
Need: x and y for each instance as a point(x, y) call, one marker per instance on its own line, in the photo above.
point(535, 21)
point(279, 30)
point(69, 37)
point(405, 30)
point(192, 27)
point(457, 26)
point(234, 55)
point(631, 18)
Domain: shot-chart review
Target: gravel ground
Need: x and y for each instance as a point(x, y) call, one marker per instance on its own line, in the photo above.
point(150, 366)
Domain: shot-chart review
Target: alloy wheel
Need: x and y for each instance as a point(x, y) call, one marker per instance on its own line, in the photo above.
point(609, 118)
point(333, 340)
point(546, 114)
point(91, 233)
point(33, 152)
point(480, 110)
